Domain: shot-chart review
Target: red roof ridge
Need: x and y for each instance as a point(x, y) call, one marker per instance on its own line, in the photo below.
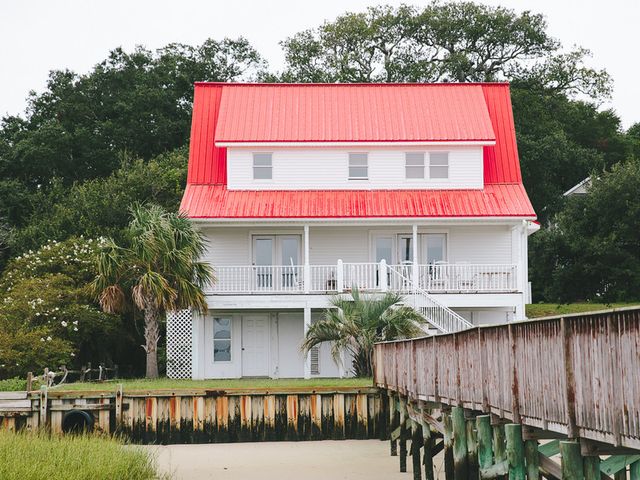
point(354, 84)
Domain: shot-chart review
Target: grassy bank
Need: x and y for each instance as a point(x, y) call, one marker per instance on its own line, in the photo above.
point(548, 309)
point(27, 456)
point(169, 384)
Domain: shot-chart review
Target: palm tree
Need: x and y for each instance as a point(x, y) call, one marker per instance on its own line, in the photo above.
point(356, 324)
point(156, 270)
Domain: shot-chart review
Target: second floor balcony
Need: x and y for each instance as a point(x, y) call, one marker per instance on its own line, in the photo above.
point(380, 277)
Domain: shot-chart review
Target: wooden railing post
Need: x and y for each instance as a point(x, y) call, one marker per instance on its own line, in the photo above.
point(340, 277)
point(515, 387)
point(569, 379)
point(383, 276)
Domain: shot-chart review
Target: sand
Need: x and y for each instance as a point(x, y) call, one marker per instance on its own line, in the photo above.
point(347, 459)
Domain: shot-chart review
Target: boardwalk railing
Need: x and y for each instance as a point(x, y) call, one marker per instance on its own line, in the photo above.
point(577, 375)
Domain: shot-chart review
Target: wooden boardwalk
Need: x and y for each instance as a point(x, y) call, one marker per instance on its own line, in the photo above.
point(575, 377)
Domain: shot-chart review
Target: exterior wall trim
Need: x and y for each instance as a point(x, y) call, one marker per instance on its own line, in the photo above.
point(357, 144)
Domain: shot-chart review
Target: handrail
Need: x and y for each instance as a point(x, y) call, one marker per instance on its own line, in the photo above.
point(440, 316)
point(576, 375)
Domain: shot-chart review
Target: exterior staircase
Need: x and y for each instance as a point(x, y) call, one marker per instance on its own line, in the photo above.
point(439, 317)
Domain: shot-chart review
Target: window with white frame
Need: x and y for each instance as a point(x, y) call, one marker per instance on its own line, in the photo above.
point(221, 339)
point(358, 166)
point(262, 166)
point(439, 165)
point(414, 165)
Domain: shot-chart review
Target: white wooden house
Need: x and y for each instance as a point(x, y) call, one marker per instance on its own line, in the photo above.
point(306, 191)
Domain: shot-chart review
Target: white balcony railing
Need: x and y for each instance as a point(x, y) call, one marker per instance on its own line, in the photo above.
point(435, 278)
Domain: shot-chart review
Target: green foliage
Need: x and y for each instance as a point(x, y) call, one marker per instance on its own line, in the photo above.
point(592, 251)
point(72, 457)
point(461, 41)
point(354, 325)
point(100, 207)
point(155, 270)
point(47, 316)
point(138, 102)
point(13, 384)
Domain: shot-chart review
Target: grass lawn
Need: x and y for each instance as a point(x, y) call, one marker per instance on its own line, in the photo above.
point(548, 309)
point(39, 456)
point(169, 384)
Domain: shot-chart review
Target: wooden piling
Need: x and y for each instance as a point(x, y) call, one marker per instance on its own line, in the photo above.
point(571, 459)
point(460, 461)
point(532, 459)
point(472, 448)
point(448, 446)
point(403, 435)
point(591, 467)
point(416, 445)
point(499, 444)
point(394, 422)
point(515, 451)
point(428, 441)
point(485, 448)
point(634, 470)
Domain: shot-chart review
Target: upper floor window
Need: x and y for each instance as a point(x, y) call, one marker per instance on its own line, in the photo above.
point(358, 166)
point(262, 168)
point(414, 165)
point(439, 165)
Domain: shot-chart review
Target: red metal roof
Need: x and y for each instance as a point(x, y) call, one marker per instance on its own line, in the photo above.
point(207, 196)
point(211, 201)
point(353, 113)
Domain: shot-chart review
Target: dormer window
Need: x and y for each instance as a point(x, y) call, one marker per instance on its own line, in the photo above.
point(262, 168)
point(439, 165)
point(358, 166)
point(414, 165)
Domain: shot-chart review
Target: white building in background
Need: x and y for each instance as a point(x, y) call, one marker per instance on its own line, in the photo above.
point(307, 191)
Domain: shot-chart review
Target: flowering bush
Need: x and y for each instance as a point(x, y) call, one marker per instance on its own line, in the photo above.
point(47, 317)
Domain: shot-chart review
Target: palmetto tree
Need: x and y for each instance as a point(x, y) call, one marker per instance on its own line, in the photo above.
point(356, 324)
point(156, 270)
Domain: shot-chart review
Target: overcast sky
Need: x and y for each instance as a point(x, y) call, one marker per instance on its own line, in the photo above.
point(37, 36)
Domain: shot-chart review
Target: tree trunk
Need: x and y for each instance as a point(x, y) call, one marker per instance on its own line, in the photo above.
point(151, 336)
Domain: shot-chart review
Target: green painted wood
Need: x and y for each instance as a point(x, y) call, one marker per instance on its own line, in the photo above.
point(572, 467)
point(592, 468)
point(515, 451)
point(484, 434)
point(532, 459)
point(616, 463)
point(550, 449)
point(448, 446)
point(472, 449)
point(634, 470)
point(499, 443)
point(494, 471)
point(621, 475)
point(460, 461)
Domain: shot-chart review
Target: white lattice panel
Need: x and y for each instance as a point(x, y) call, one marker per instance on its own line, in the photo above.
point(179, 343)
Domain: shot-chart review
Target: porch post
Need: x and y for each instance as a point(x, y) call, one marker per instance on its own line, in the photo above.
point(307, 268)
point(382, 276)
point(307, 357)
point(414, 266)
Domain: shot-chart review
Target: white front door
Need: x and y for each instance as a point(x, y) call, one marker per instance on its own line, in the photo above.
point(255, 346)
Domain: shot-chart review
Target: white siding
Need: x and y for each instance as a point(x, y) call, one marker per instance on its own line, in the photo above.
point(479, 244)
point(327, 168)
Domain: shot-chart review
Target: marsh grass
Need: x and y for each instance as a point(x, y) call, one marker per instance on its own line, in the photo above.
point(36, 456)
point(536, 310)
